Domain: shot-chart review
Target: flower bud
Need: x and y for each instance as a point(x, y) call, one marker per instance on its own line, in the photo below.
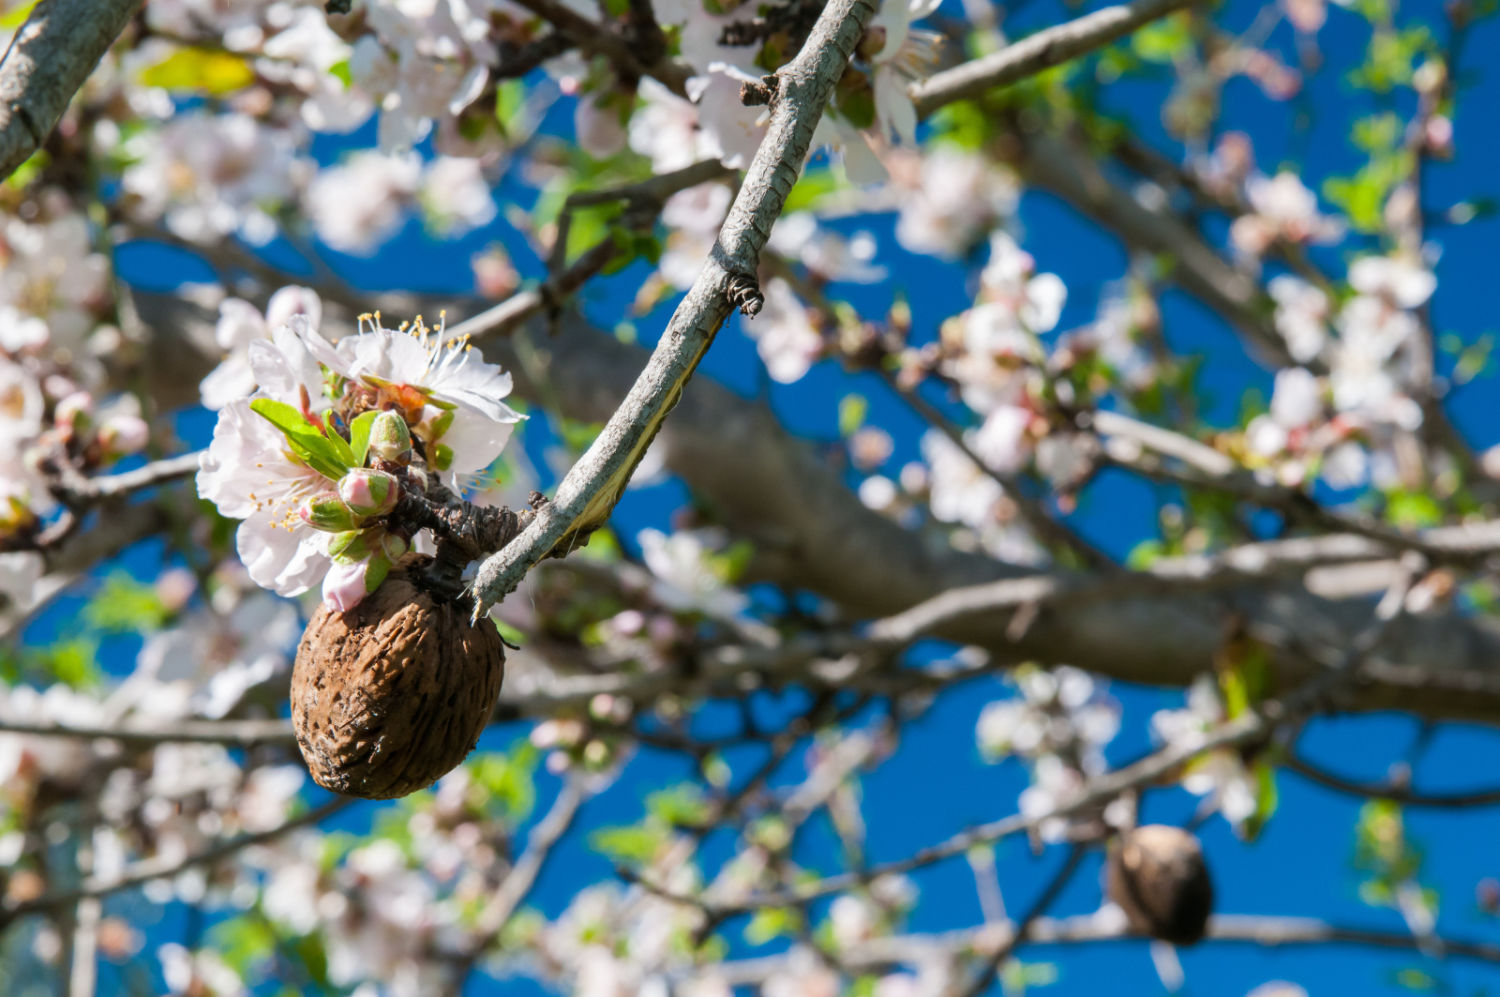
point(394, 547)
point(327, 513)
point(390, 439)
point(369, 492)
point(75, 411)
point(442, 456)
point(124, 434)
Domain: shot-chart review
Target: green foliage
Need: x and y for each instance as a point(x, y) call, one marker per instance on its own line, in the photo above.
point(1017, 976)
point(323, 450)
point(510, 106)
point(770, 923)
point(1391, 58)
point(853, 408)
point(359, 435)
point(1363, 195)
point(507, 780)
point(1163, 42)
point(209, 71)
point(1411, 510)
point(632, 844)
point(1471, 360)
point(682, 805)
point(126, 605)
point(666, 811)
point(811, 188)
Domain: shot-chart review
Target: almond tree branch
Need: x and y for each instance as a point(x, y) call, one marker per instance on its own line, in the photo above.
point(147, 870)
point(1043, 50)
point(1394, 791)
point(48, 60)
point(1253, 727)
point(1268, 931)
point(591, 488)
point(996, 960)
point(594, 37)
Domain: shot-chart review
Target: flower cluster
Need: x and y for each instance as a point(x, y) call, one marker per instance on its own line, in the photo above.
point(1059, 724)
point(317, 459)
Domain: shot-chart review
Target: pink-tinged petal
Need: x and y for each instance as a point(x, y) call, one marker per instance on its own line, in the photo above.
point(344, 585)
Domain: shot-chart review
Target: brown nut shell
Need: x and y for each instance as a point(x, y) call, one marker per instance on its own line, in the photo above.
point(1157, 875)
point(393, 694)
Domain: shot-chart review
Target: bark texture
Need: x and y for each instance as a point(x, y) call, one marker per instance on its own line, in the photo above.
point(48, 60)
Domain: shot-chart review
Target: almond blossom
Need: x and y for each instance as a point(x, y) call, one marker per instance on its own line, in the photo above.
point(785, 336)
point(1281, 207)
point(1220, 776)
point(240, 324)
point(282, 461)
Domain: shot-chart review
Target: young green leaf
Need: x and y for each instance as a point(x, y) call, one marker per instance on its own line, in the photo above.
point(307, 442)
point(359, 436)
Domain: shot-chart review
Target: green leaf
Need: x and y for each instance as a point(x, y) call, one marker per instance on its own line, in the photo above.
point(342, 448)
point(1266, 801)
point(637, 843)
point(772, 923)
point(1163, 41)
point(510, 104)
point(13, 19)
point(852, 411)
point(204, 70)
point(1411, 510)
point(509, 778)
point(810, 188)
point(680, 806)
point(359, 436)
point(307, 442)
point(126, 605)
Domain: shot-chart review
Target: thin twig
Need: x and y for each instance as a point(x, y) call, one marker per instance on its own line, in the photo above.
point(1043, 50)
point(151, 869)
point(996, 961)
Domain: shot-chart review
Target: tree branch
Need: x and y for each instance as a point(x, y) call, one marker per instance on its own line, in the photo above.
point(1043, 50)
point(145, 871)
point(1268, 931)
point(48, 60)
point(591, 488)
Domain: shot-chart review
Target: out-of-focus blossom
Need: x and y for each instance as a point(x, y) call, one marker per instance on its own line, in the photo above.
point(198, 973)
point(827, 254)
point(1281, 207)
point(240, 324)
point(950, 199)
point(358, 204)
point(784, 333)
point(208, 176)
point(455, 196)
point(1302, 313)
point(1220, 775)
point(686, 578)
